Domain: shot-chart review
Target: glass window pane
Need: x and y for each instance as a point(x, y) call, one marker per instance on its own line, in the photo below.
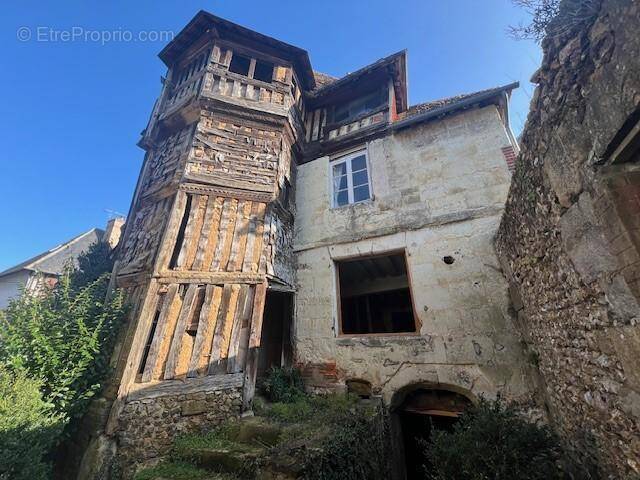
point(339, 169)
point(342, 198)
point(360, 178)
point(340, 183)
point(358, 163)
point(361, 193)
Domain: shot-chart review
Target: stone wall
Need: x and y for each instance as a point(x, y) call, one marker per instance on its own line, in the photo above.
point(438, 191)
point(148, 426)
point(567, 237)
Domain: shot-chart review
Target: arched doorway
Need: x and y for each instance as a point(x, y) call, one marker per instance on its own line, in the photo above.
point(416, 413)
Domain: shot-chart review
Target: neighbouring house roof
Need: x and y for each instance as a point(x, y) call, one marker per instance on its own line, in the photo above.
point(428, 110)
point(53, 261)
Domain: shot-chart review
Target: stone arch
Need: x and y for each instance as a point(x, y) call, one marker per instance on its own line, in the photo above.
point(415, 411)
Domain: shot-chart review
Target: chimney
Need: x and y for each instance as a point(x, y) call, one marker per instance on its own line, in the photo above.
point(113, 231)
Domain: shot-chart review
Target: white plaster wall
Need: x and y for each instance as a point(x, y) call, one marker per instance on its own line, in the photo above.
point(419, 175)
point(10, 286)
point(439, 190)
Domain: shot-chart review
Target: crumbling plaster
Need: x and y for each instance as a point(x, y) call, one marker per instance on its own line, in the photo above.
point(438, 190)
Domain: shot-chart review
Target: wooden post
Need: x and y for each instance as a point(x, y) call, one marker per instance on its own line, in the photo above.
point(251, 369)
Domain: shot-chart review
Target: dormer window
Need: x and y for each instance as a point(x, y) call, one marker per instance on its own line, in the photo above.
point(360, 106)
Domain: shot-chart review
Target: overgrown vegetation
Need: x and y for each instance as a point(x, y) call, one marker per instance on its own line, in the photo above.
point(552, 18)
point(56, 343)
point(284, 385)
point(28, 428)
point(492, 441)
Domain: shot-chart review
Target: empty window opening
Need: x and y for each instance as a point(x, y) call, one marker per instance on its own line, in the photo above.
point(360, 106)
point(240, 65)
point(375, 295)
point(152, 332)
point(180, 237)
point(350, 179)
point(263, 71)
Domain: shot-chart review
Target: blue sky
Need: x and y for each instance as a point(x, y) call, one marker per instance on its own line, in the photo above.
point(72, 109)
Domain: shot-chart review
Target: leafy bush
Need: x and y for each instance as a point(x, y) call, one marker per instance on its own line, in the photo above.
point(284, 385)
point(492, 441)
point(64, 336)
point(356, 447)
point(342, 439)
point(28, 428)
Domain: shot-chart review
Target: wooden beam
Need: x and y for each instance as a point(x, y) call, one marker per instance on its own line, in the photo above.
point(251, 369)
point(210, 383)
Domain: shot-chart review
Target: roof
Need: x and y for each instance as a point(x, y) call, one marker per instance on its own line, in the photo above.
point(394, 63)
point(54, 261)
point(204, 22)
point(322, 79)
point(428, 110)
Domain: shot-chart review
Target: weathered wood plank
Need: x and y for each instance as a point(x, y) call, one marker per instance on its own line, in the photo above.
point(220, 346)
point(209, 235)
point(159, 335)
point(239, 241)
point(210, 383)
point(172, 318)
point(240, 334)
point(206, 326)
point(227, 244)
point(267, 237)
point(256, 254)
point(251, 368)
point(227, 220)
point(176, 342)
point(192, 233)
point(168, 241)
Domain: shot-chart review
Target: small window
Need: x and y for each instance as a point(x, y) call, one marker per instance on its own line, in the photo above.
point(240, 65)
point(359, 106)
point(263, 71)
point(350, 179)
point(375, 295)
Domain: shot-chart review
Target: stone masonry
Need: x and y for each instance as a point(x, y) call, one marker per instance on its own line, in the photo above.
point(568, 238)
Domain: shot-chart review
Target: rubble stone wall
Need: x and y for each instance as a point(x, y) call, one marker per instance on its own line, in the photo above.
point(149, 426)
point(566, 240)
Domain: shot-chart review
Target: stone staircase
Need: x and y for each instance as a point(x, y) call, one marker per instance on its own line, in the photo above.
point(234, 455)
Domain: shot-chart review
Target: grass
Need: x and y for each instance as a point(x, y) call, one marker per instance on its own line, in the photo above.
point(178, 471)
point(219, 439)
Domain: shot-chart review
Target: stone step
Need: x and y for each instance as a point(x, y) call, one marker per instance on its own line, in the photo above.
point(257, 430)
point(225, 460)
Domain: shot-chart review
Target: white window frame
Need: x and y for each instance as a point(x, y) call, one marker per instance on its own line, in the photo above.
point(346, 159)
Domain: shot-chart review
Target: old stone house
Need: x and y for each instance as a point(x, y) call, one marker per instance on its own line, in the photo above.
point(283, 217)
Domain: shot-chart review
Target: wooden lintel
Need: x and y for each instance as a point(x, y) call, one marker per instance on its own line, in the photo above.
point(209, 383)
point(185, 276)
point(220, 191)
